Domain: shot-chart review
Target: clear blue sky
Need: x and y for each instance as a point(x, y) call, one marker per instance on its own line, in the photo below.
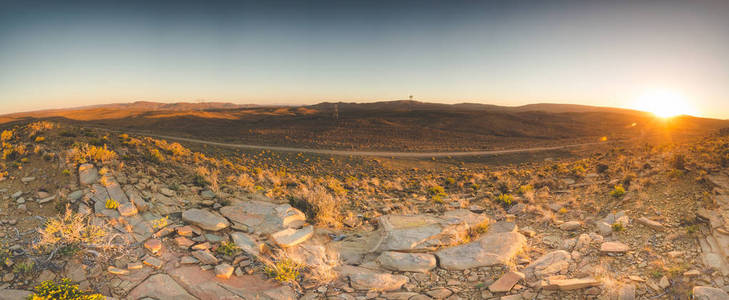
point(70, 53)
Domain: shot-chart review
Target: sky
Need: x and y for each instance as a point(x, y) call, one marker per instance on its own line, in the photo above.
point(608, 53)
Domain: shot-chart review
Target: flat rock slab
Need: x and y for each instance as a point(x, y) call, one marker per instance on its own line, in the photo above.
point(614, 247)
point(247, 243)
point(9, 294)
point(377, 281)
point(205, 219)
point(552, 263)
point(506, 282)
point(291, 237)
point(423, 232)
point(87, 174)
point(205, 285)
point(571, 284)
point(160, 286)
point(263, 217)
point(407, 262)
point(652, 224)
point(709, 293)
point(489, 250)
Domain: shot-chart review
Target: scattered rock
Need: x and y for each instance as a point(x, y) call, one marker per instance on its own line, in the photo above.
point(377, 281)
point(87, 174)
point(614, 247)
point(263, 217)
point(224, 271)
point(506, 282)
point(652, 224)
point(205, 257)
point(488, 250)
point(407, 262)
point(709, 293)
point(205, 219)
point(291, 237)
point(160, 286)
point(552, 263)
point(570, 226)
point(570, 284)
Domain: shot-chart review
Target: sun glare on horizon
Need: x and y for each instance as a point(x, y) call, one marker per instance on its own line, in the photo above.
point(664, 104)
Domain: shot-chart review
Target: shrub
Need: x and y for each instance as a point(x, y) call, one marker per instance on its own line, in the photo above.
point(317, 204)
point(228, 248)
point(283, 270)
point(89, 153)
point(525, 189)
point(617, 227)
point(6, 135)
point(111, 204)
point(618, 191)
point(69, 229)
point(678, 161)
point(24, 268)
point(160, 223)
point(505, 200)
point(63, 290)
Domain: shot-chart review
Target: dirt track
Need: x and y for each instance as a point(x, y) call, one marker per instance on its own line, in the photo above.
point(367, 153)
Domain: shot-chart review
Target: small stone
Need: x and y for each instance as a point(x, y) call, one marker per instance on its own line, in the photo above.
point(153, 262)
point(47, 199)
point(506, 282)
point(709, 293)
point(570, 284)
point(116, 271)
point(652, 224)
point(377, 281)
point(205, 257)
point(185, 260)
point(127, 209)
point(134, 266)
point(201, 246)
point(614, 247)
point(75, 196)
point(439, 293)
point(27, 179)
point(17, 194)
point(692, 273)
point(184, 231)
point(183, 242)
point(604, 228)
point(224, 271)
point(153, 245)
point(664, 283)
point(407, 262)
point(570, 226)
point(291, 237)
point(205, 219)
point(167, 192)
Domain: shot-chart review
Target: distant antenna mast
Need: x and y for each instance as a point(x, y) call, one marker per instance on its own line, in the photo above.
point(410, 104)
point(336, 111)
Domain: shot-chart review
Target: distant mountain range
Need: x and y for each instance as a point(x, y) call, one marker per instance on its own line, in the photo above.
point(389, 125)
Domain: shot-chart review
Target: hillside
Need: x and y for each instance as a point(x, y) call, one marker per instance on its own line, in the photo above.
point(393, 125)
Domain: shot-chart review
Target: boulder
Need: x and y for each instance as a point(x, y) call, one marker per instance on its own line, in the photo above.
point(709, 293)
point(489, 250)
point(614, 247)
point(87, 174)
point(426, 232)
point(160, 286)
point(377, 281)
point(571, 284)
point(263, 217)
point(246, 243)
point(552, 263)
point(291, 237)
point(407, 262)
point(205, 219)
point(506, 282)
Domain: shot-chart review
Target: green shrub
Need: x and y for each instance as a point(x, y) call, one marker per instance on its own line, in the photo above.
point(505, 200)
point(228, 248)
point(284, 270)
point(618, 191)
point(63, 290)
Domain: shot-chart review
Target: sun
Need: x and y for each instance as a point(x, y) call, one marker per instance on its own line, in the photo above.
point(664, 104)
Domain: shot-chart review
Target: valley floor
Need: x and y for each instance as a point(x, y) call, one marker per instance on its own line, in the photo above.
point(134, 217)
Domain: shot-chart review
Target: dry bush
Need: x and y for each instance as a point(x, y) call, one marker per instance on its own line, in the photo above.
point(318, 205)
point(70, 229)
point(205, 176)
point(89, 153)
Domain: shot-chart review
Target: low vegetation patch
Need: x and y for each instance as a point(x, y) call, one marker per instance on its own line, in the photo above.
point(62, 290)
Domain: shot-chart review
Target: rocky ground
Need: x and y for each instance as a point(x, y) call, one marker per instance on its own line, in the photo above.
point(661, 235)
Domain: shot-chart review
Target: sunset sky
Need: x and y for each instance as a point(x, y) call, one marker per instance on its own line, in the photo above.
point(607, 53)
